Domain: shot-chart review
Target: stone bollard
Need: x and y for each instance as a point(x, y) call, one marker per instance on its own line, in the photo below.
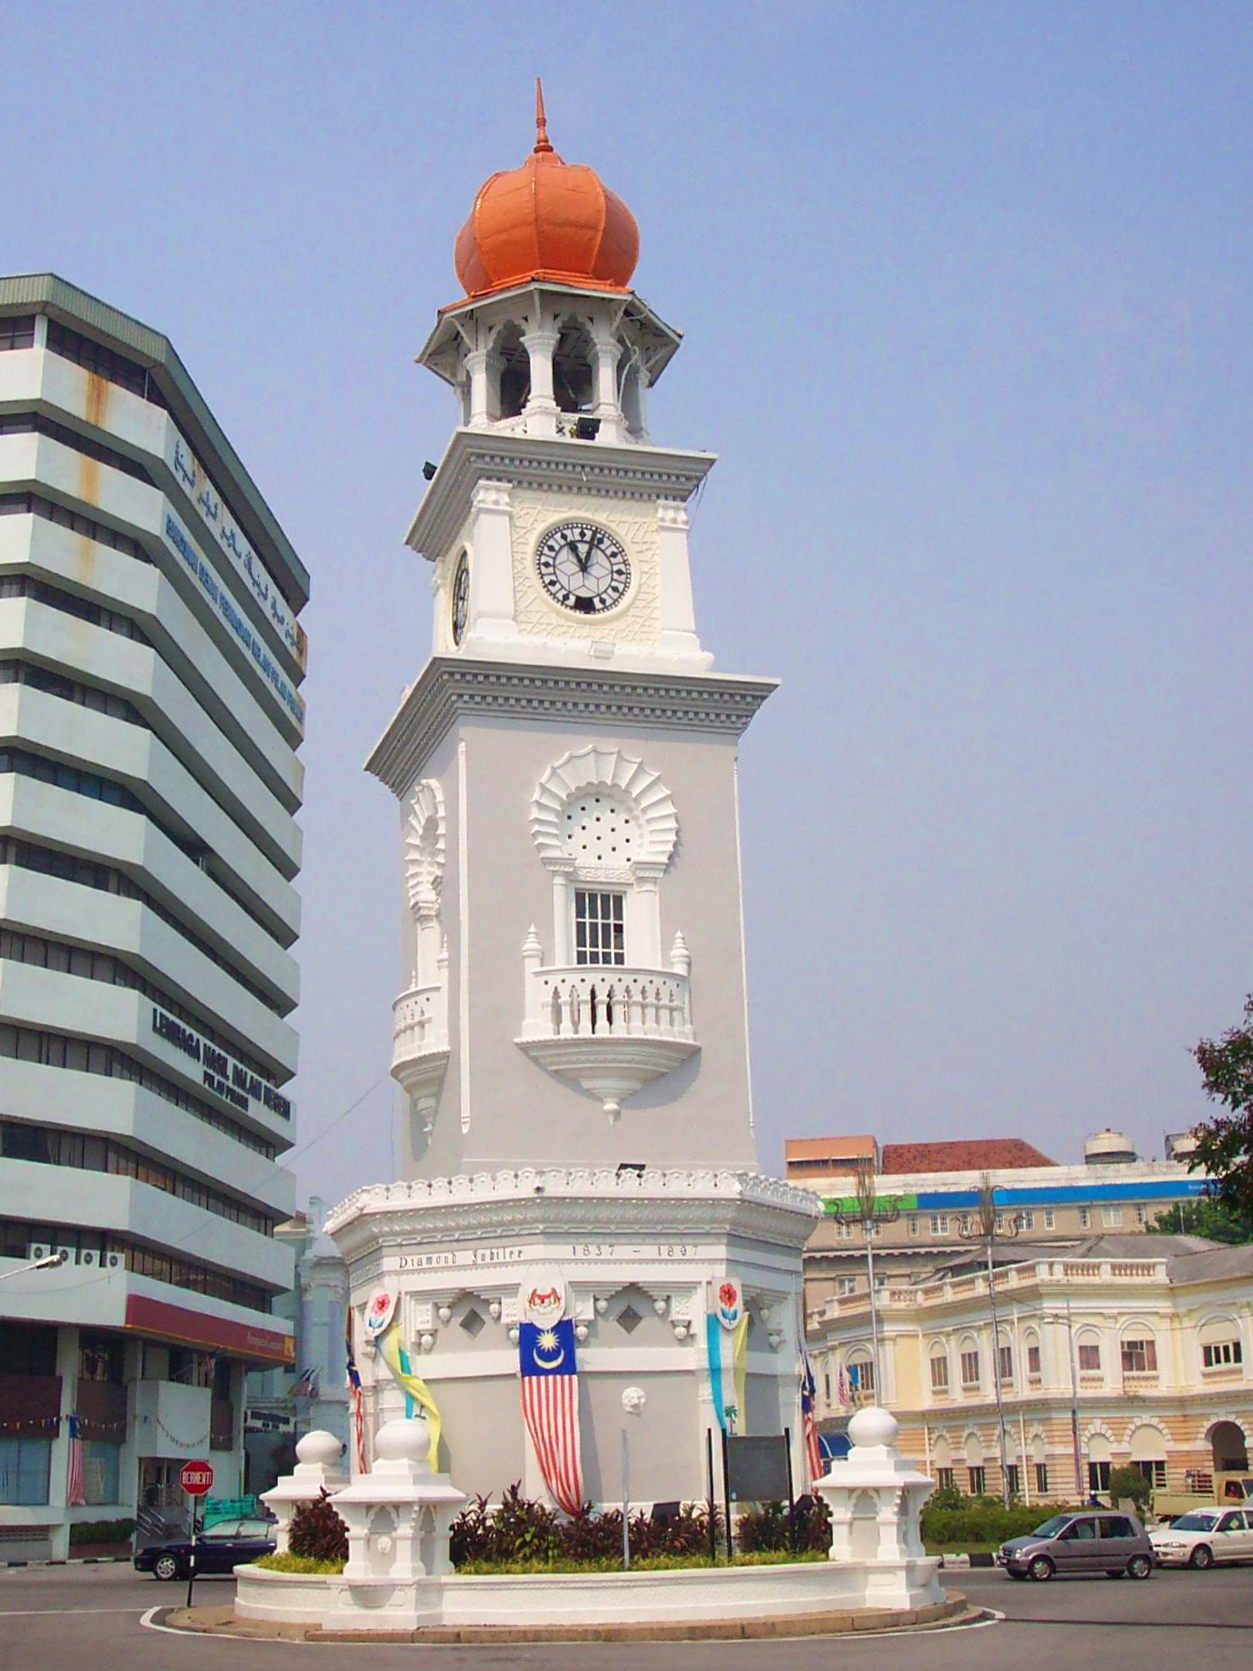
point(875, 1497)
point(399, 1515)
point(317, 1469)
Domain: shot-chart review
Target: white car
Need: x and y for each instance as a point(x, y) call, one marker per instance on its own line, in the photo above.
point(1204, 1536)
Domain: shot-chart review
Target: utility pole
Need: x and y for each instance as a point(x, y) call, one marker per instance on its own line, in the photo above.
point(981, 1226)
point(870, 1211)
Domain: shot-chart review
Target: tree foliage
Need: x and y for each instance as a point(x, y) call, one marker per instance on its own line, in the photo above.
point(1225, 1143)
point(1204, 1216)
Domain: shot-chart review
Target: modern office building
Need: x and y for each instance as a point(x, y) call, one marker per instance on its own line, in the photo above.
point(1124, 1350)
point(150, 659)
point(926, 1194)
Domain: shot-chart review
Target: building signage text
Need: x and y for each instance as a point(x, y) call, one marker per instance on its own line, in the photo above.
point(222, 1073)
point(200, 490)
point(222, 602)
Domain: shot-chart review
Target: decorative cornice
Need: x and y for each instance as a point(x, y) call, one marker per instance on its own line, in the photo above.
point(560, 466)
point(449, 686)
point(543, 1200)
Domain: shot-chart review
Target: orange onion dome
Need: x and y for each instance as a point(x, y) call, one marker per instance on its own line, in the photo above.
point(546, 220)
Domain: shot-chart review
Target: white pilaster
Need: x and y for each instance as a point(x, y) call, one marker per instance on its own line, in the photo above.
point(492, 612)
point(677, 617)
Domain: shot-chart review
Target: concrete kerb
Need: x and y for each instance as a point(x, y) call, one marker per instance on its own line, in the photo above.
point(221, 1621)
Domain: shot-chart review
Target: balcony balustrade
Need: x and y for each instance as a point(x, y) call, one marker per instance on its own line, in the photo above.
point(610, 1029)
point(420, 1043)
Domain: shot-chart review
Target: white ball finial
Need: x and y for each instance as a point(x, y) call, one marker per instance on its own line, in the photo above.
point(873, 1426)
point(404, 1440)
point(319, 1447)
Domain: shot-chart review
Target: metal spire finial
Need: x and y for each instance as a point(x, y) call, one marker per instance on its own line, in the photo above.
point(541, 120)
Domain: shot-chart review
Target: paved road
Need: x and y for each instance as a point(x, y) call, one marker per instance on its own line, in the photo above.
point(66, 1618)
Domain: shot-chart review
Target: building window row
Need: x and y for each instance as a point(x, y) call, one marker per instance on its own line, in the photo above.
point(105, 362)
point(60, 775)
point(53, 1146)
point(78, 781)
point(17, 331)
point(69, 603)
point(61, 1050)
point(69, 690)
point(100, 1248)
point(34, 504)
point(87, 873)
point(34, 423)
point(93, 965)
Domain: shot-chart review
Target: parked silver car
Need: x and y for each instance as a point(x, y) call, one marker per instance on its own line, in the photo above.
point(1115, 1544)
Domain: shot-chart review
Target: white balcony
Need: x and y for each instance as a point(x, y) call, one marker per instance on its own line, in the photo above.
point(420, 1044)
point(610, 1029)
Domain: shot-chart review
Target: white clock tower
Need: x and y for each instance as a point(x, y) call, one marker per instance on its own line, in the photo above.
point(572, 1031)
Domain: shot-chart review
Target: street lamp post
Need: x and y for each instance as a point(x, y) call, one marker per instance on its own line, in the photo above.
point(870, 1211)
point(982, 1227)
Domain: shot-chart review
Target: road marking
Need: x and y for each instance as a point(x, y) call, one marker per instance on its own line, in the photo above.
point(60, 1612)
point(148, 1622)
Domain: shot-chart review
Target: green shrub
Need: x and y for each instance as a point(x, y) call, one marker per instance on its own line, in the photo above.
point(768, 1527)
point(982, 1521)
point(529, 1533)
point(317, 1531)
point(1130, 1482)
point(298, 1563)
point(101, 1531)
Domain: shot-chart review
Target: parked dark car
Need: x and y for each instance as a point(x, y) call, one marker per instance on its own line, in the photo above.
point(221, 1548)
point(1115, 1544)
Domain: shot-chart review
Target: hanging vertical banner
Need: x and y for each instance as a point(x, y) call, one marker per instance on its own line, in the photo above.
point(416, 1390)
point(549, 1377)
point(75, 1495)
point(735, 1361)
point(355, 1403)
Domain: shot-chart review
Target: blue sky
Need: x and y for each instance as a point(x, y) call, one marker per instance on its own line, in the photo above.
point(966, 295)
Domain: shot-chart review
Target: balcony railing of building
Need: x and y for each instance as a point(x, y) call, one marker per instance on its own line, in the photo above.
point(599, 1002)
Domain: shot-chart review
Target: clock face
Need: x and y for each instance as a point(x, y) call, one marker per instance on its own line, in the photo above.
point(583, 568)
point(460, 598)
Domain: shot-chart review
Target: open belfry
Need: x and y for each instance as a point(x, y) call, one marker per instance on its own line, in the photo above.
point(579, 1213)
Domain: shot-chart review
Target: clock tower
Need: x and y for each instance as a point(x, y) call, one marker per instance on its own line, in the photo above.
point(571, 1034)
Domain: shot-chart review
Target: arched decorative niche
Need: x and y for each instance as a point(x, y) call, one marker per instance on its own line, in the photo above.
point(424, 847)
point(625, 784)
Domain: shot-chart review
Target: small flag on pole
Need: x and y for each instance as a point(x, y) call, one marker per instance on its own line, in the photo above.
point(550, 1407)
point(75, 1495)
point(809, 1418)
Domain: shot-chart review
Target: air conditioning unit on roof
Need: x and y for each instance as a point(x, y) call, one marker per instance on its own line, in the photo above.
point(115, 1261)
point(37, 1250)
point(67, 1254)
point(88, 1256)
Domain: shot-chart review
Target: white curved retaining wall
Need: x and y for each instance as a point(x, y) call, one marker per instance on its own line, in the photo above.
point(601, 1598)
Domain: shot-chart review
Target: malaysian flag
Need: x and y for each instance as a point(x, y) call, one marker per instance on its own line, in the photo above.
point(550, 1404)
point(75, 1495)
point(356, 1409)
point(809, 1418)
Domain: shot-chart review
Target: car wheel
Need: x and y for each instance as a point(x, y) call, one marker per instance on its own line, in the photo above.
point(1201, 1557)
point(165, 1566)
point(1041, 1569)
point(1139, 1566)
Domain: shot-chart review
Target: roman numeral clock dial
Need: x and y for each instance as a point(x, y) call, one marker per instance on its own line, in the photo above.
point(583, 568)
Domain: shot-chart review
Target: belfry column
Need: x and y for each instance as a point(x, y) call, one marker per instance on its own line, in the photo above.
point(541, 408)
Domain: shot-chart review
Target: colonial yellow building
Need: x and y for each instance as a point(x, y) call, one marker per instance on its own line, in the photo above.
point(1126, 1349)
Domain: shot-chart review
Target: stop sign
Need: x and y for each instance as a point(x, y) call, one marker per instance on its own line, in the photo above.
point(196, 1478)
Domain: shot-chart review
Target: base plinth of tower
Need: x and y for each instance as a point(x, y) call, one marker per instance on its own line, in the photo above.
point(640, 1259)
